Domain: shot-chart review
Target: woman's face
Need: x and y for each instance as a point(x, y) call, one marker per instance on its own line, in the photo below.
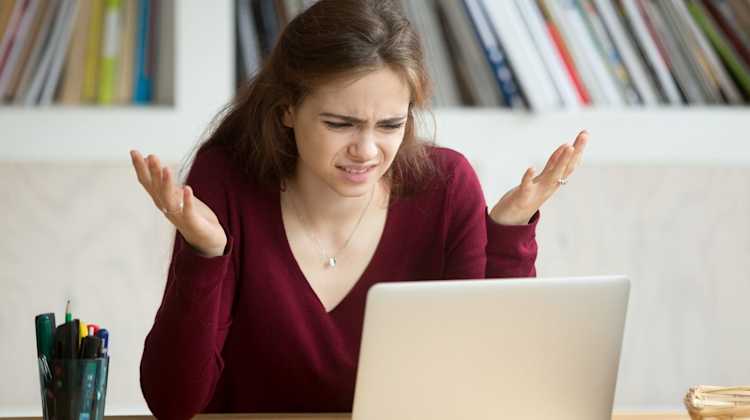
point(349, 131)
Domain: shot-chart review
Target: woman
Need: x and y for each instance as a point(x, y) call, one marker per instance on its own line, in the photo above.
point(311, 189)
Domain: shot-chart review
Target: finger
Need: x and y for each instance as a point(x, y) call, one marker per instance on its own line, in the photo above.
point(171, 194)
point(141, 169)
point(553, 158)
point(187, 199)
point(528, 178)
point(154, 167)
point(579, 145)
point(559, 170)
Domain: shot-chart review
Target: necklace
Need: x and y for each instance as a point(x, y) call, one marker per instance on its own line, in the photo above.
point(330, 259)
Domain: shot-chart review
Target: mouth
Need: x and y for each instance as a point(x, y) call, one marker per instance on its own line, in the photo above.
point(356, 169)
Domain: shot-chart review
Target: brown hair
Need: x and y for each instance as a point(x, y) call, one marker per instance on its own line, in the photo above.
point(332, 38)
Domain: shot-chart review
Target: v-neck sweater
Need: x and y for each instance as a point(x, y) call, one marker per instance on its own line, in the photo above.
point(245, 331)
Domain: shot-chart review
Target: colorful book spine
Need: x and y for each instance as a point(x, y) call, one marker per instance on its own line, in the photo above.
point(142, 90)
point(110, 51)
point(93, 51)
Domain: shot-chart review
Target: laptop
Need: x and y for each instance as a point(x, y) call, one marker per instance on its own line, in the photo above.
point(491, 349)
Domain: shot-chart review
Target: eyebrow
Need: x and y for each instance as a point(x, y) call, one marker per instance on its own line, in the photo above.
point(354, 120)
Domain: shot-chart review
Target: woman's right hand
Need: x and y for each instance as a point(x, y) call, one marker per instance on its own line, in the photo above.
point(196, 221)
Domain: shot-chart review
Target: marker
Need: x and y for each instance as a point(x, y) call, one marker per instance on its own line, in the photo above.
point(45, 335)
point(93, 328)
point(68, 314)
point(103, 333)
point(83, 331)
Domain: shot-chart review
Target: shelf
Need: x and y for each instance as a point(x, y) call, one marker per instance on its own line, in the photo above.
point(204, 74)
point(681, 136)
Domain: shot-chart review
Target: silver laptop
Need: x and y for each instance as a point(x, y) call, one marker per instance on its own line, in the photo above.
point(491, 349)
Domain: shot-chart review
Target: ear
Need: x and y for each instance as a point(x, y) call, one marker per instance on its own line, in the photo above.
point(288, 117)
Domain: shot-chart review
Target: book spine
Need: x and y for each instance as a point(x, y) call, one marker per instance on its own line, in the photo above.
point(110, 51)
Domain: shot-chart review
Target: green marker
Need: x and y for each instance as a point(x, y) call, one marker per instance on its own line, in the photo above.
point(68, 314)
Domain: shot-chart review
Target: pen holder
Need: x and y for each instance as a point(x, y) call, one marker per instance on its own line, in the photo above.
point(73, 389)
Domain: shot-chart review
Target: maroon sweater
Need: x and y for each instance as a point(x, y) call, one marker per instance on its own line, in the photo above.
point(244, 332)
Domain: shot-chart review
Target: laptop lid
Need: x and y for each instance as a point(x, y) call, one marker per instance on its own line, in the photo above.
point(486, 349)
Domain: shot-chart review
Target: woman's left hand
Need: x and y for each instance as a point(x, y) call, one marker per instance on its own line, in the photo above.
point(518, 205)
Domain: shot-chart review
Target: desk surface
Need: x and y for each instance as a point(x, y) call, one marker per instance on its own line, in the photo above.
point(616, 416)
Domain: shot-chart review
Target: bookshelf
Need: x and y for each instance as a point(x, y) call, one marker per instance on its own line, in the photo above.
point(205, 78)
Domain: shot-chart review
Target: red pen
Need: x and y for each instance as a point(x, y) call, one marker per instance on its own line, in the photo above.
point(93, 328)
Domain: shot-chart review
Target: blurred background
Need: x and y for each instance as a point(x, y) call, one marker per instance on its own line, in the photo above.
point(663, 194)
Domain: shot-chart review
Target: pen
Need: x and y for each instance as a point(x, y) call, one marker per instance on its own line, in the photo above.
point(104, 335)
point(90, 348)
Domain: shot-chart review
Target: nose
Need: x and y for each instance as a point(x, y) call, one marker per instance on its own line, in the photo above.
point(364, 148)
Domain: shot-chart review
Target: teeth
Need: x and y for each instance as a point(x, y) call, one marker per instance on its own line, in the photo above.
point(355, 171)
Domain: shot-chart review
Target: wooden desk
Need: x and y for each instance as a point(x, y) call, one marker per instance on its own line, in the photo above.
point(616, 416)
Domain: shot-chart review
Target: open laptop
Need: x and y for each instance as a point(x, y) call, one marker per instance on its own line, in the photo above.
point(491, 349)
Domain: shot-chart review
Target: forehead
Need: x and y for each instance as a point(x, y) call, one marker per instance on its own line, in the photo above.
point(381, 91)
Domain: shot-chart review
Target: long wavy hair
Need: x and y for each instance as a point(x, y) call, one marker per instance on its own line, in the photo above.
point(331, 39)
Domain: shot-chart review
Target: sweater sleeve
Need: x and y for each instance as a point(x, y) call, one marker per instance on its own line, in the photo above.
point(181, 360)
point(477, 246)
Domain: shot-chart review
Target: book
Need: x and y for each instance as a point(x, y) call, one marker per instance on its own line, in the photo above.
point(564, 52)
point(59, 51)
point(93, 51)
point(423, 16)
point(651, 51)
point(6, 9)
point(732, 35)
point(466, 49)
point(573, 16)
point(692, 77)
point(110, 52)
point(41, 72)
point(11, 31)
point(551, 57)
point(495, 55)
point(248, 42)
point(608, 52)
point(17, 46)
point(643, 82)
point(35, 30)
point(127, 52)
point(536, 84)
point(736, 68)
point(726, 84)
point(72, 84)
point(36, 54)
point(143, 66)
point(164, 34)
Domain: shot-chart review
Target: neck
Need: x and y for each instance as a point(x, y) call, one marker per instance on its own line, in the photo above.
point(324, 208)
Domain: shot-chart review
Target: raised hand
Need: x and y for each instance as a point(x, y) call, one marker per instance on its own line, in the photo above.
point(519, 204)
point(196, 222)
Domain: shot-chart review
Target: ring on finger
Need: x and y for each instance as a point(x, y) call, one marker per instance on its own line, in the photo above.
point(562, 181)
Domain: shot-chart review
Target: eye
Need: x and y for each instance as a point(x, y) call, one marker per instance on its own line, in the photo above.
point(393, 126)
point(332, 124)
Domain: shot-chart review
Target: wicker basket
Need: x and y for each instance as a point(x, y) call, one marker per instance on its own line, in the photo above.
point(718, 403)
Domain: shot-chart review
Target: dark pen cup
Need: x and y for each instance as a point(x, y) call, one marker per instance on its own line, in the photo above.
point(73, 389)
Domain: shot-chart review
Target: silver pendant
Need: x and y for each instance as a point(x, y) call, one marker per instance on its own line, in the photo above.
point(331, 262)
